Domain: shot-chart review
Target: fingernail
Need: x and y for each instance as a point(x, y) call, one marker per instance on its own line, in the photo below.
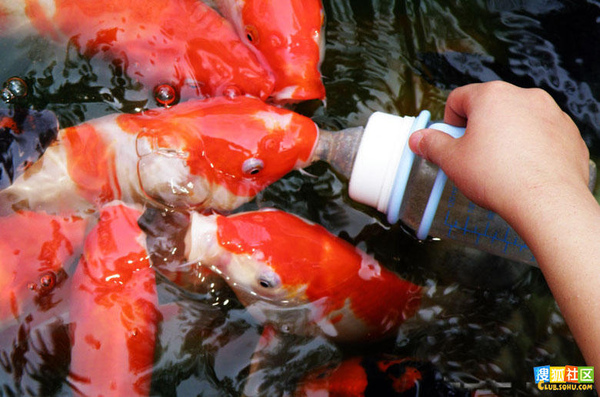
point(414, 142)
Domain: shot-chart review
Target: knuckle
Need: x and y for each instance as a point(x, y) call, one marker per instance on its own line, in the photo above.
point(541, 97)
point(497, 87)
point(491, 92)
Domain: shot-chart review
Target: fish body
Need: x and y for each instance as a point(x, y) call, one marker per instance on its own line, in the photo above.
point(79, 172)
point(216, 153)
point(113, 309)
point(183, 43)
point(299, 277)
point(24, 136)
point(288, 35)
point(35, 250)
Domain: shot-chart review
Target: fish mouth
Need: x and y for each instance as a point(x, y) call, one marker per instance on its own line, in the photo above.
point(297, 319)
point(200, 241)
point(261, 86)
point(168, 181)
point(165, 177)
point(300, 91)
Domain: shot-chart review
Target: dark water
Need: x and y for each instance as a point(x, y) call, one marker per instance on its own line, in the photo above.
point(485, 321)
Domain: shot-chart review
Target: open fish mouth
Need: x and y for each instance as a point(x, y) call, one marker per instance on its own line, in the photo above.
point(165, 177)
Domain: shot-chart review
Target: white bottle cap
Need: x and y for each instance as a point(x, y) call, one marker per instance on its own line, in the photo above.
point(377, 159)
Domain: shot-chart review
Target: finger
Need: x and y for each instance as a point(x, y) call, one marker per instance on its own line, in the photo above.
point(432, 145)
point(458, 104)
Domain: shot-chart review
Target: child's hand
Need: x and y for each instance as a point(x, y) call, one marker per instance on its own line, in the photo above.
point(523, 158)
point(518, 145)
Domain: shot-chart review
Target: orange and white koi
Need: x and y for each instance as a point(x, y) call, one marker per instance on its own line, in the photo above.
point(35, 249)
point(113, 309)
point(216, 153)
point(301, 278)
point(288, 35)
point(183, 43)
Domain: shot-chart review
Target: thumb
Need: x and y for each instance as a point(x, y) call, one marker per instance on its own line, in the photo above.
point(431, 145)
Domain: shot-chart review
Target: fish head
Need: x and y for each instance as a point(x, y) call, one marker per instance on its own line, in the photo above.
point(183, 43)
point(260, 287)
point(294, 273)
point(218, 153)
point(215, 61)
point(288, 35)
point(250, 274)
point(254, 252)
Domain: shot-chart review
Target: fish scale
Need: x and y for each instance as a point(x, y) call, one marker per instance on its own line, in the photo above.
point(33, 245)
point(297, 275)
point(288, 36)
point(113, 309)
point(156, 42)
point(216, 153)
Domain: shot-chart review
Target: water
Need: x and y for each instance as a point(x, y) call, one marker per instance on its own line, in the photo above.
point(484, 320)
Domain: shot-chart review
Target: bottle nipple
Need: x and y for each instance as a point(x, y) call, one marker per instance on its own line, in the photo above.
point(339, 148)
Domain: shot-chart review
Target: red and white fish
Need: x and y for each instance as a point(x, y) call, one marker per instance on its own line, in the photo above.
point(35, 249)
point(216, 153)
point(289, 35)
point(301, 278)
point(113, 309)
point(183, 43)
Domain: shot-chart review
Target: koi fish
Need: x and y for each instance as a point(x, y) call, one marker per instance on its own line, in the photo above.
point(216, 153)
point(165, 234)
point(183, 43)
point(288, 35)
point(299, 277)
point(114, 309)
point(377, 376)
point(35, 249)
point(24, 136)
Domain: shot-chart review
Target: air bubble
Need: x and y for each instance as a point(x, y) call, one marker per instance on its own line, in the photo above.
point(48, 281)
point(232, 92)
point(165, 95)
point(14, 88)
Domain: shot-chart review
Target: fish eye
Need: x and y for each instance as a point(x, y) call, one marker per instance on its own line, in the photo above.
point(252, 34)
point(269, 279)
point(252, 166)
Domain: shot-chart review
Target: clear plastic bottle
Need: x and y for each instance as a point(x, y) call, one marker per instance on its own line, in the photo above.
point(385, 174)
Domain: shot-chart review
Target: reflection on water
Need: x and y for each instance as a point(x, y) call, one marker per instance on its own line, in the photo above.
point(485, 319)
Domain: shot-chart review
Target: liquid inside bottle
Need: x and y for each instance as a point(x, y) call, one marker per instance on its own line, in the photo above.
point(457, 218)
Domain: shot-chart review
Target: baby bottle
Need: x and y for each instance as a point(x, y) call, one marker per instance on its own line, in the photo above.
point(385, 174)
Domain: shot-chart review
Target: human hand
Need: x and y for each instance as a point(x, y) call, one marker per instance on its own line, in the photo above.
point(519, 146)
point(523, 158)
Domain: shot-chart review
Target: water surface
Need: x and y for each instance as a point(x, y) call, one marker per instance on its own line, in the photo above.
point(485, 321)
